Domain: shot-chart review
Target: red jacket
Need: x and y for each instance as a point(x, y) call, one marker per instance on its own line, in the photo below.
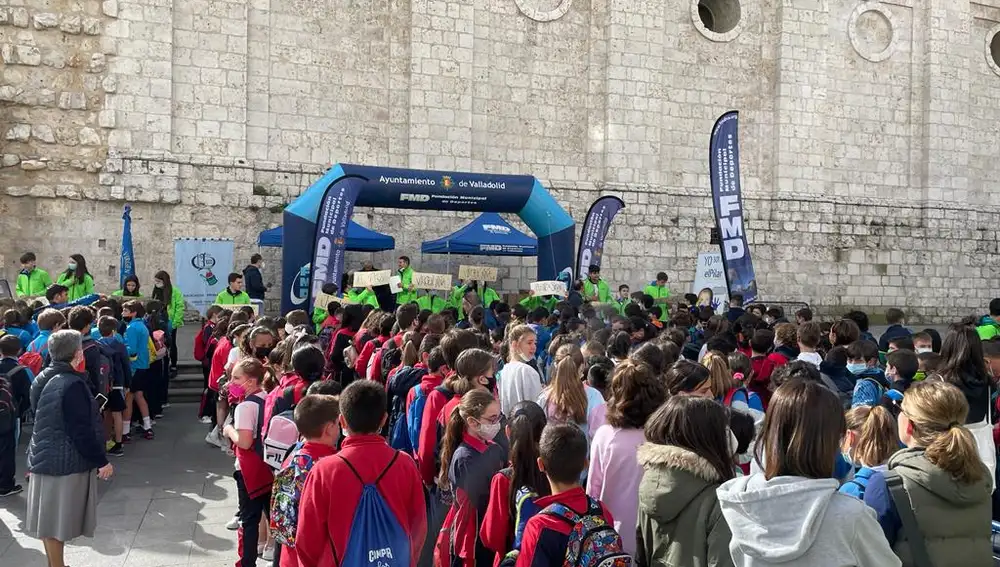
point(289, 379)
point(218, 367)
point(495, 532)
point(289, 558)
point(546, 537)
point(331, 494)
point(427, 383)
point(760, 378)
point(427, 450)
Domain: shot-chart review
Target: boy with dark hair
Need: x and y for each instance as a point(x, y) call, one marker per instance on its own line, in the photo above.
point(58, 297)
point(31, 280)
point(332, 498)
point(233, 294)
point(896, 320)
point(137, 343)
point(991, 352)
point(808, 336)
point(774, 316)
point(862, 362)
point(735, 307)
point(18, 379)
point(121, 375)
point(900, 368)
point(98, 371)
point(803, 315)
point(13, 326)
point(49, 321)
point(989, 325)
point(901, 343)
point(563, 458)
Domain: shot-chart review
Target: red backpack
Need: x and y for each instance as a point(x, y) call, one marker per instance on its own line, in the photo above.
point(33, 361)
point(201, 342)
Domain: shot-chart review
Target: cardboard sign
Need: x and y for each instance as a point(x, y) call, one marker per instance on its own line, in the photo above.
point(371, 279)
point(477, 273)
point(426, 280)
point(395, 284)
point(549, 288)
point(238, 306)
point(324, 299)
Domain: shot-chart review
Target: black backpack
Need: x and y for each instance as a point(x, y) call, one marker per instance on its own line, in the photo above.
point(8, 409)
point(392, 356)
point(101, 379)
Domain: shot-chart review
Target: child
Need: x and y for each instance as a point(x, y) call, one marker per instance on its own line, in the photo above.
point(49, 321)
point(17, 380)
point(316, 418)
point(808, 339)
point(416, 398)
point(898, 343)
point(563, 458)
point(785, 341)
point(122, 374)
point(13, 325)
point(330, 500)
point(253, 476)
point(923, 342)
point(991, 353)
point(862, 362)
point(761, 365)
point(469, 459)
point(900, 368)
point(930, 361)
point(869, 442)
point(137, 343)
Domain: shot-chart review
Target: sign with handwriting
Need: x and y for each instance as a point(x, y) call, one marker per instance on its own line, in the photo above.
point(549, 288)
point(426, 280)
point(477, 273)
point(371, 279)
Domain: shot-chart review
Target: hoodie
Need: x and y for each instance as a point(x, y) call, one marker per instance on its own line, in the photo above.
point(796, 521)
point(680, 521)
point(954, 518)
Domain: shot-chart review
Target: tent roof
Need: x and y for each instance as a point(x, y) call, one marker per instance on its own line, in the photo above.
point(359, 238)
point(488, 234)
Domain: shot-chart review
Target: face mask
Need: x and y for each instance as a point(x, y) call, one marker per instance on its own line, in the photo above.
point(856, 367)
point(289, 328)
point(158, 285)
point(846, 455)
point(489, 430)
point(71, 266)
point(924, 349)
point(262, 352)
point(524, 357)
point(237, 391)
point(80, 366)
point(734, 443)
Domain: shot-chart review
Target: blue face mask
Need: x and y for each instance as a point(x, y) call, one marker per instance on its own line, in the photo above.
point(856, 367)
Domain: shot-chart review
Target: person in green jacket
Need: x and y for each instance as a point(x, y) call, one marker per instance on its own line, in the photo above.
point(362, 296)
point(658, 290)
point(131, 288)
point(532, 302)
point(687, 456)
point(32, 280)
point(622, 300)
point(486, 294)
point(233, 294)
point(173, 301)
point(596, 290)
point(989, 326)
point(408, 294)
point(431, 302)
point(76, 278)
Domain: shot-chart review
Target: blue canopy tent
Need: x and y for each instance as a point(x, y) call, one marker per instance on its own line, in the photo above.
point(487, 234)
point(359, 238)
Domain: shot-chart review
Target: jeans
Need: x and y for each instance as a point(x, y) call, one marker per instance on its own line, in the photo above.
point(8, 458)
point(251, 511)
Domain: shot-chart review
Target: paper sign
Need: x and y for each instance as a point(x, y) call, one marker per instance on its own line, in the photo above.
point(371, 279)
point(710, 274)
point(324, 299)
point(395, 284)
point(238, 306)
point(549, 288)
point(477, 273)
point(426, 280)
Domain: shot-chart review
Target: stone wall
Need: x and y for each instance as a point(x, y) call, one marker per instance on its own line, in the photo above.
point(869, 129)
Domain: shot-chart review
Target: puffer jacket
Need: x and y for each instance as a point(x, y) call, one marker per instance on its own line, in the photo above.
point(52, 450)
point(679, 522)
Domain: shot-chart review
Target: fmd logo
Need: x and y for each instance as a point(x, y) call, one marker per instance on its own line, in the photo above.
point(414, 198)
point(496, 229)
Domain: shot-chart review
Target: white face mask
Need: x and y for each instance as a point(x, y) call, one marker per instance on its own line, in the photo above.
point(924, 349)
point(289, 328)
point(734, 443)
point(489, 430)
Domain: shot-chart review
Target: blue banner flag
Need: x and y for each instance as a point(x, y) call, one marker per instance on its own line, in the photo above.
point(724, 166)
point(595, 230)
point(128, 255)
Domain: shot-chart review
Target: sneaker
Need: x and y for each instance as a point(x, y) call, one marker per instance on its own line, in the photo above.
point(126, 438)
point(205, 419)
point(158, 416)
point(166, 405)
point(16, 490)
point(108, 445)
point(268, 553)
point(213, 437)
point(234, 523)
point(147, 434)
point(117, 450)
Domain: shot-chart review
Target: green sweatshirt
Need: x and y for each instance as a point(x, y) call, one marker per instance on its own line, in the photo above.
point(33, 283)
point(406, 296)
point(533, 302)
point(175, 309)
point(603, 292)
point(226, 297)
point(76, 290)
point(431, 302)
point(659, 294)
point(362, 296)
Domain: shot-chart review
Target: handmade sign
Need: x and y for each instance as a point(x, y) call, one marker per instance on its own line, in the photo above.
point(477, 273)
point(237, 306)
point(371, 279)
point(549, 288)
point(427, 280)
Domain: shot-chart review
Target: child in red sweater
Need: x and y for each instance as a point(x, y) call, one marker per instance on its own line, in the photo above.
point(333, 491)
point(762, 366)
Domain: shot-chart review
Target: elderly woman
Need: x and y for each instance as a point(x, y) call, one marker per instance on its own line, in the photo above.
point(66, 450)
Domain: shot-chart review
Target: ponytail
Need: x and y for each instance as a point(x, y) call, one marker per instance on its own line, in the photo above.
point(956, 451)
point(473, 405)
point(876, 431)
point(526, 424)
point(937, 411)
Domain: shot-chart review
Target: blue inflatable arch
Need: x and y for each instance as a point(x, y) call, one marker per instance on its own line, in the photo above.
point(343, 186)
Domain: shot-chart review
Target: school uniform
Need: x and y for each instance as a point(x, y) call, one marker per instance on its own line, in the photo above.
point(430, 434)
point(495, 532)
point(470, 472)
point(253, 478)
point(332, 492)
point(288, 556)
point(137, 343)
point(546, 536)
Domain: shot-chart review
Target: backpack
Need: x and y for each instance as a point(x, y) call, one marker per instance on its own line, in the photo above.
point(282, 436)
point(390, 359)
point(368, 348)
point(399, 386)
point(376, 535)
point(525, 508)
point(33, 361)
point(592, 541)
point(860, 481)
point(285, 496)
point(753, 400)
point(414, 417)
point(8, 409)
point(202, 341)
point(104, 366)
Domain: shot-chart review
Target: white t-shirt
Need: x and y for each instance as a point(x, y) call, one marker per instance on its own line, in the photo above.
point(245, 417)
point(518, 382)
point(234, 356)
point(811, 357)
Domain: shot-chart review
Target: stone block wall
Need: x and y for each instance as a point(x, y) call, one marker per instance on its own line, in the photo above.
point(869, 129)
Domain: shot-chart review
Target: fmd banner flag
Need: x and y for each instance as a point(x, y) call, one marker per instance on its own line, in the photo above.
point(724, 166)
point(595, 230)
point(201, 268)
point(128, 256)
point(331, 235)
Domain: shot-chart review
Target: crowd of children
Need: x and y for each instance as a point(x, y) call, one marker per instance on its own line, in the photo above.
point(611, 431)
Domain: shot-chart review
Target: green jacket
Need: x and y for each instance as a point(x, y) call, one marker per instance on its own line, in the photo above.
point(406, 296)
point(76, 290)
point(986, 330)
point(175, 310)
point(954, 518)
point(679, 521)
point(362, 296)
point(487, 296)
point(431, 302)
point(659, 294)
point(533, 302)
point(34, 283)
point(603, 291)
point(121, 293)
point(227, 298)
point(620, 305)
